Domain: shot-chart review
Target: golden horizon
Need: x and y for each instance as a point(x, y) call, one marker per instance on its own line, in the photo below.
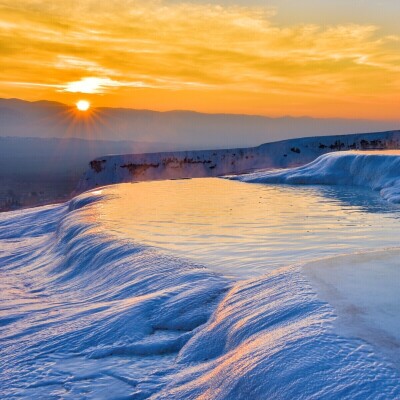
point(228, 58)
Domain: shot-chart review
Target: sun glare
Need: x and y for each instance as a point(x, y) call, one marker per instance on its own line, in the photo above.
point(82, 105)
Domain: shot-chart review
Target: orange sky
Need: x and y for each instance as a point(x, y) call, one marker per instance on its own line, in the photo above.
point(234, 58)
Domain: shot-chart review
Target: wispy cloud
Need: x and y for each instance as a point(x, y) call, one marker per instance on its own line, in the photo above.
point(106, 47)
point(92, 85)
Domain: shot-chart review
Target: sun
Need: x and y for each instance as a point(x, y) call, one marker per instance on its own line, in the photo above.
point(83, 105)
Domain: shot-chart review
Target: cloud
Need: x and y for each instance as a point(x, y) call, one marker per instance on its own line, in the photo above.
point(102, 47)
point(91, 85)
point(68, 62)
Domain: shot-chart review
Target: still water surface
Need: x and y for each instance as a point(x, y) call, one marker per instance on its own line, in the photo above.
point(245, 230)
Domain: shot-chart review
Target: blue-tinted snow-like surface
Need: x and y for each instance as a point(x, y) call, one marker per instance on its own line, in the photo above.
point(84, 315)
point(377, 170)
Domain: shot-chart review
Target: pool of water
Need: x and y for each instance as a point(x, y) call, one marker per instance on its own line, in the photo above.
point(244, 230)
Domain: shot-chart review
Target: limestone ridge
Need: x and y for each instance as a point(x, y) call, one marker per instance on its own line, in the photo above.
point(113, 169)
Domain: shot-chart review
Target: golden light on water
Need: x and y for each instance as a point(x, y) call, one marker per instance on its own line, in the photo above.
point(240, 229)
point(83, 105)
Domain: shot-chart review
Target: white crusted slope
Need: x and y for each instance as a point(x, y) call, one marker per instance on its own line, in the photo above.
point(377, 170)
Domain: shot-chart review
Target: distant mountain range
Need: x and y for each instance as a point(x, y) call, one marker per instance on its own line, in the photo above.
point(184, 130)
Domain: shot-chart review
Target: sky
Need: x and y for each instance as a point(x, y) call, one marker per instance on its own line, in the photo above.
point(318, 58)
